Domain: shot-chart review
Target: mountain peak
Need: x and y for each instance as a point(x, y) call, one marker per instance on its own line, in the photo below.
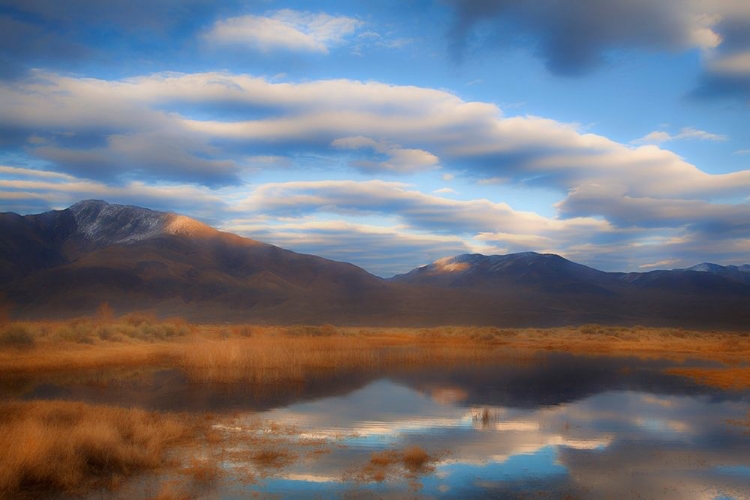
point(108, 223)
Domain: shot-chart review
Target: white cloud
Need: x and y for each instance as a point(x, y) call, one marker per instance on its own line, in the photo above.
point(660, 136)
point(398, 159)
point(284, 30)
point(662, 264)
point(140, 128)
point(733, 64)
point(43, 190)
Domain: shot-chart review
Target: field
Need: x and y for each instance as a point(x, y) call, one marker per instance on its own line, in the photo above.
point(73, 447)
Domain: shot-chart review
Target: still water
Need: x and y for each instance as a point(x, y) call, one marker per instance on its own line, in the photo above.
point(557, 426)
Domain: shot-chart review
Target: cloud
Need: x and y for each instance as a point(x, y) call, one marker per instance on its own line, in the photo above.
point(479, 223)
point(398, 159)
point(26, 190)
point(284, 30)
point(384, 251)
point(660, 136)
point(576, 37)
point(411, 126)
point(167, 128)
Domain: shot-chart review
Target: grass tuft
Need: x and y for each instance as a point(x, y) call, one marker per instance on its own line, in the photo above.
point(56, 446)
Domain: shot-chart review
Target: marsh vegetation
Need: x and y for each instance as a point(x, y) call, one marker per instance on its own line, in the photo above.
point(73, 447)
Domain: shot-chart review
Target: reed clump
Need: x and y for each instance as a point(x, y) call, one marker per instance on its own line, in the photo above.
point(56, 446)
point(268, 358)
point(410, 462)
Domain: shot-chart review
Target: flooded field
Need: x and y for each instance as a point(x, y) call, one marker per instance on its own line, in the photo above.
point(548, 425)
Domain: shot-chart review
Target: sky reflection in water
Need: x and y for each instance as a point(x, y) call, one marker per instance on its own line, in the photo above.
point(558, 426)
point(618, 443)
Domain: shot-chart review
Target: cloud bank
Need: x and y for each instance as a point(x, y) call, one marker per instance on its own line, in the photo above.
point(618, 206)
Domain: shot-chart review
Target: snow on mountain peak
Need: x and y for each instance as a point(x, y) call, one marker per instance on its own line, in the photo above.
point(101, 222)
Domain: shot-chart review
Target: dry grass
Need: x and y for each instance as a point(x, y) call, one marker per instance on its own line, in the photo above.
point(69, 447)
point(275, 358)
point(393, 464)
point(272, 458)
point(268, 354)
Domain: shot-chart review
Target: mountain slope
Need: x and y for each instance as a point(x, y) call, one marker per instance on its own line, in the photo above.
point(65, 263)
point(139, 258)
point(547, 272)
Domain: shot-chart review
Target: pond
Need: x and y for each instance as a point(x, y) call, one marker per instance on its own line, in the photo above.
point(554, 426)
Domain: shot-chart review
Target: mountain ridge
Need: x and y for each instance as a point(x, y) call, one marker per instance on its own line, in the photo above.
point(65, 263)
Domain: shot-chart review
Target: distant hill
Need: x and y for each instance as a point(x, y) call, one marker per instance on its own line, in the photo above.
point(65, 263)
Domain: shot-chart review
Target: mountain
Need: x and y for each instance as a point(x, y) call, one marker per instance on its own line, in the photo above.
point(65, 263)
point(550, 272)
point(736, 273)
point(547, 290)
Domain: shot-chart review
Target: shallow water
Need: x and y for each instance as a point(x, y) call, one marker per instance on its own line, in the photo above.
point(559, 426)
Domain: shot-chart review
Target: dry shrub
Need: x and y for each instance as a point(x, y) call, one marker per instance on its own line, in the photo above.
point(55, 446)
point(80, 330)
point(271, 458)
point(415, 459)
point(17, 335)
point(312, 330)
point(243, 331)
point(138, 318)
point(409, 462)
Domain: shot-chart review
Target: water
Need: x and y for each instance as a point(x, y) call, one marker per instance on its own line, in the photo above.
point(559, 426)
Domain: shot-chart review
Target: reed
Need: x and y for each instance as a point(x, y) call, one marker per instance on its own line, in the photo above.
point(55, 446)
point(268, 354)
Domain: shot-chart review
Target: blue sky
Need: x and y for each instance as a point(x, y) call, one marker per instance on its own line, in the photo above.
point(391, 134)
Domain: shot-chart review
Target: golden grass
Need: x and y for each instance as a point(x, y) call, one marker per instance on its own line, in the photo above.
point(270, 354)
point(69, 447)
point(392, 464)
point(266, 359)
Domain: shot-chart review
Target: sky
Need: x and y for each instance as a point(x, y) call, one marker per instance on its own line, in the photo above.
point(390, 134)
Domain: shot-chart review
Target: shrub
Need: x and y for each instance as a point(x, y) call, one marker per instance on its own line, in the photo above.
point(138, 318)
point(314, 331)
point(17, 335)
point(80, 331)
point(243, 330)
